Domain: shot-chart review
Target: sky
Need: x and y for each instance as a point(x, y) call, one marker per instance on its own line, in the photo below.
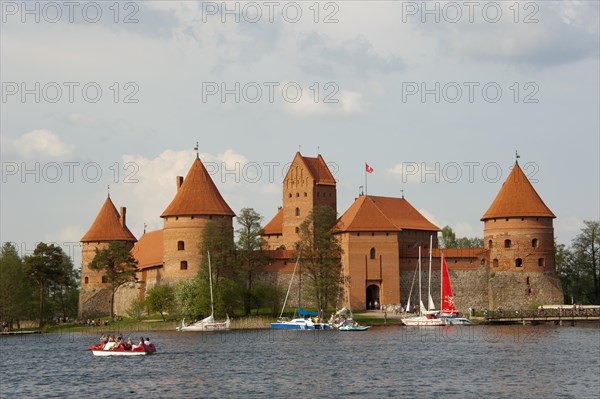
point(436, 97)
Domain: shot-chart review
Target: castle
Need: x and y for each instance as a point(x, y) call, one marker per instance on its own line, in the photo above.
point(380, 239)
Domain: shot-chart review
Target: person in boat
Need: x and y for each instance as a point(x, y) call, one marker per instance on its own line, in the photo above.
point(103, 340)
point(147, 342)
point(128, 345)
point(111, 344)
point(139, 345)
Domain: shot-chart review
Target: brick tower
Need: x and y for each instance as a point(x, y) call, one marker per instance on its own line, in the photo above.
point(109, 225)
point(196, 202)
point(308, 183)
point(519, 241)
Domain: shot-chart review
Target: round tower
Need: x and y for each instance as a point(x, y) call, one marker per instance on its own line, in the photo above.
point(196, 203)
point(519, 240)
point(108, 226)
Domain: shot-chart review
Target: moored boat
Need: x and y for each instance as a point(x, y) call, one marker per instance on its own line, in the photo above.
point(140, 351)
point(457, 321)
point(208, 323)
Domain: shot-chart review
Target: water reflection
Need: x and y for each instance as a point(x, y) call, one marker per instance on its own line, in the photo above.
point(468, 361)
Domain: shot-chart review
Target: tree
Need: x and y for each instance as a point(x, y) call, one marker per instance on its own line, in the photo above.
point(321, 253)
point(65, 290)
point(217, 238)
point(586, 256)
point(119, 267)
point(161, 299)
point(251, 259)
point(449, 240)
point(44, 266)
point(15, 292)
point(189, 296)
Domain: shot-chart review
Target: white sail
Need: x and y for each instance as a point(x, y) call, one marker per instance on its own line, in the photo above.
point(430, 304)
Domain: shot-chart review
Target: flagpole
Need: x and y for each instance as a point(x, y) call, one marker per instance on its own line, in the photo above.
point(366, 192)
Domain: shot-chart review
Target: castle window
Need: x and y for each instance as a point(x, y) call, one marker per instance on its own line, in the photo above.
point(183, 265)
point(297, 211)
point(180, 245)
point(306, 195)
point(104, 279)
point(176, 217)
point(507, 243)
point(372, 253)
point(529, 290)
point(372, 234)
point(290, 195)
point(534, 243)
point(87, 280)
point(541, 262)
point(518, 262)
point(297, 195)
point(358, 234)
point(528, 281)
point(482, 262)
point(507, 219)
point(297, 230)
point(490, 244)
point(495, 262)
point(192, 217)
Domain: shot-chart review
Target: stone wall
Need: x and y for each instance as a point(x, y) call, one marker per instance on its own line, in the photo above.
point(94, 302)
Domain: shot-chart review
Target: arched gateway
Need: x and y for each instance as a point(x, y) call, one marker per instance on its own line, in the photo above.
point(373, 301)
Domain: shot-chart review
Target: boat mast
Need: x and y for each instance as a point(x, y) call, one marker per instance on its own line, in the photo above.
point(289, 286)
point(299, 286)
point(420, 300)
point(430, 304)
point(212, 303)
point(442, 282)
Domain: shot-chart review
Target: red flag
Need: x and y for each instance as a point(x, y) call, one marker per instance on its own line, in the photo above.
point(368, 168)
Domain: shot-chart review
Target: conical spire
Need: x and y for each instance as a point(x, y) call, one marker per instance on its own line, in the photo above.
point(107, 226)
point(517, 198)
point(197, 195)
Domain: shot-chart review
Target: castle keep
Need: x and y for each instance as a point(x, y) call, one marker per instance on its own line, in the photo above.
point(380, 239)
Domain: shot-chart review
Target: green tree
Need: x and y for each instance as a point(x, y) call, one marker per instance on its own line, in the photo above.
point(217, 238)
point(119, 267)
point(321, 253)
point(136, 309)
point(44, 267)
point(64, 292)
point(251, 259)
point(189, 296)
point(15, 291)
point(586, 257)
point(161, 299)
point(449, 240)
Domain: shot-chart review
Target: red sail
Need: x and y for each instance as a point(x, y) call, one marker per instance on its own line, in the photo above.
point(447, 296)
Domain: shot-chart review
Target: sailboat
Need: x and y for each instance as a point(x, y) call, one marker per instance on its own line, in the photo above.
point(449, 313)
point(207, 324)
point(424, 318)
point(339, 319)
point(305, 321)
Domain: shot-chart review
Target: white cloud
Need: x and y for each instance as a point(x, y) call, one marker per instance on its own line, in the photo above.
point(429, 216)
point(465, 229)
point(348, 103)
point(38, 144)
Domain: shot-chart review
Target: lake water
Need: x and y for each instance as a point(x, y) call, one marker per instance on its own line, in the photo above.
point(461, 362)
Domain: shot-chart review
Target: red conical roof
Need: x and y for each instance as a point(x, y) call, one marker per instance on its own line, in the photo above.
point(372, 213)
point(517, 198)
point(107, 226)
point(198, 195)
